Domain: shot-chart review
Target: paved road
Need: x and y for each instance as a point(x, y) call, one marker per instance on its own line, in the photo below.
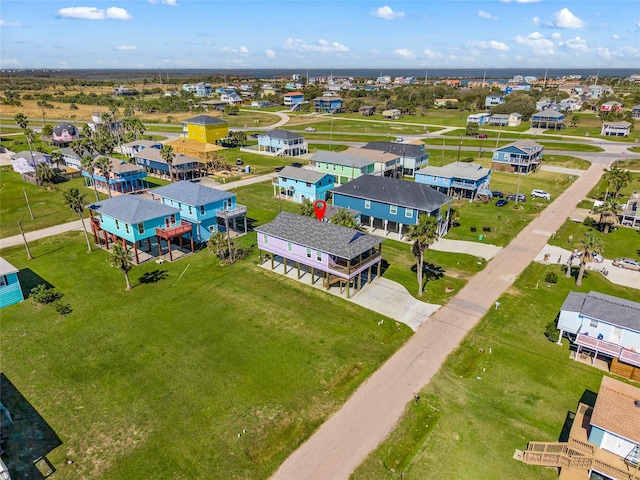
point(345, 440)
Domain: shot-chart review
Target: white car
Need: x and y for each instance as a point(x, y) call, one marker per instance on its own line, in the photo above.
point(309, 129)
point(541, 194)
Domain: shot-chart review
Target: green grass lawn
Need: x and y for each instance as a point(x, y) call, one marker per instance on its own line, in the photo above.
point(505, 222)
point(341, 124)
point(47, 204)
point(432, 117)
point(600, 188)
point(504, 386)
point(159, 381)
point(566, 161)
point(490, 144)
point(630, 164)
point(623, 242)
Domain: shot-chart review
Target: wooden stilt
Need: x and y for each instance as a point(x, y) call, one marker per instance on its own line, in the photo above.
point(298, 265)
point(159, 246)
point(169, 247)
point(135, 251)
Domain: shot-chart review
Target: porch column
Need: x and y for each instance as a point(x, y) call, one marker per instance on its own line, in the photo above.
point(559, 342)
point(284, 262)
point(399, 231)
point(159, 246)
point(148, 243)
point(260, 255)
point(272, 264)
point(386, 222)
point(169, 247)
point(348, 285)
point(193, 247)
point(369, 274)
point(298, 265)
point(106, 240)
point(313, 278)
point(135, 251)
point(371, 223)
point(245, 224)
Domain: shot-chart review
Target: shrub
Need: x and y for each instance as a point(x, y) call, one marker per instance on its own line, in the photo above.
point(473, 229)
point(62, 308)
point(486, 229)
point(551, 277)
point(551, 332)
point(44, 295)
point(590, 222)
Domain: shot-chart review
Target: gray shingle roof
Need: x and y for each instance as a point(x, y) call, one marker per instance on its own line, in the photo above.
point(547, 114)
point(204, 120)
point(341, 159)
point(302, 174)
point(471, 171)
point(401, 149)
point(606, 308)
point(528, 146)
point(154, 155)
point(329, 238)
point(191, 193)
point(377, 156)
point(132, 209)
point(394, 191)
point(284, 134)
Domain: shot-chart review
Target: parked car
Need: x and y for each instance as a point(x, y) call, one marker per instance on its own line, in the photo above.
point(296, 164)
point(497, 194)
point(482, 135)
point(399, 139)
point(596, 256)
point(309, 129)
point(278, 169)
point(239, 161)
point(501, 203)
point(520, 197)
point(540, 194)
point(255, 135)
point(629, 263)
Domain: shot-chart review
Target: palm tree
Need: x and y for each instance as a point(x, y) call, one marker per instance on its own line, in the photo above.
point(121, 258)
point(608, 214)
point(77, 146)
point(21, 120)
point(44, 173)
point(344, 219)
point(422, 234)
point(306, 209)
point(217, 244)
point(104, 164)
point(88, 165)
point(241, 138)
point(588, 245)
point(167, 154)
point(621, 179)
point(75, 201)
point(56, 158)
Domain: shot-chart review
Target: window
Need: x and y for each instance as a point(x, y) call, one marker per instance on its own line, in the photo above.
point(265, 238)
point(289, 247)
point(117, 225)
point(190, 210)
point(393, 209)
point(3, 280)
point(173, 218)
point(126, 227)
point(212, 228)
point(308, 253)
point(408, 212)
point(308, 184)
point(367, 204)
point(318, 256)
point(141, 228)
point(201, 209)
point(593, 323)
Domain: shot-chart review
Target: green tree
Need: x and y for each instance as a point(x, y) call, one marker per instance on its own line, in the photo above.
point(217, 244)
point(44, 173)
point(30, 135)
point(56, 158)
point(76, 202)
point(21, 120)
point(104, 164)
point(120, 258)
point(575, 120)
point(608, 214)
point(472, 129)
point(344, 219)
point(588, 245)
point(423, 234)
point(306, 208)
point(89, 166)
point(619, 179)
point(167, 154)
point(47, 130)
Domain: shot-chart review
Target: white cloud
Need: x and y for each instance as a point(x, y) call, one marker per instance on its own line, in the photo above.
point(323, 46)
point(615, 36)
point(431, 54)
point(536, 41)
point(535, 20)
point(387, 13)
point(126, 48)
point(566, 19)
point(171, 3)
point(487, 15)
point(242, 50)
point(9, 62)
point(93, 13)
point(270, 53)
point(492, 45)
point(556, 35)
point(373, 51)
point(577, 44)
point(404, 53)
point(4, 23)
point(604, 52)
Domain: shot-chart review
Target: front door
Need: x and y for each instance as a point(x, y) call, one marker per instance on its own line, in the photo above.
point(167, 223)
point(615, 336)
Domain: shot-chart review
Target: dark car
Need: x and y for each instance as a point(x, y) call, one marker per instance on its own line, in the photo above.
point(254, 135)
point(482, 135)
point(278, 169)
point(296, 164)
point(520, 197)
point(501, 203)
point(497, 194)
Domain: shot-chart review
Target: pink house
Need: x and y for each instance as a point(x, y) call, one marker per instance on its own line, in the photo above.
point(64, 133)
point(337, 255)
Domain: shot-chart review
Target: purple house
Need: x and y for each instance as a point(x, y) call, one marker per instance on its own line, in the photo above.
point(337, 255)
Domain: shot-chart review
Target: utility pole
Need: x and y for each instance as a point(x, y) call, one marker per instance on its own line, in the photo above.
point(24, 239)
point(28, 204)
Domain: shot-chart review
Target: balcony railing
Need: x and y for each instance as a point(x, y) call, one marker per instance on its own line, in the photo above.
point(465, 185)
point(631, 357)
point(599, 345)
point(175, 231)
point(350, 268)
point(235, 212)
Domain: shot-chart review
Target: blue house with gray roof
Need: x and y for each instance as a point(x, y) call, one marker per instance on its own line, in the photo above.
point(282, 143)
point(300, 184)
point(603, 325)
point(384, 200)
point(10, 290)
point(458, 179)
point(135, 221)
point(208, 209)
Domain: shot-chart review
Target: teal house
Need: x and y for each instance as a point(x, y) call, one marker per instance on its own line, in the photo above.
point(10, 290)
point(300, 184)
point(342, 166)
point(207, 209)
point(138, 223)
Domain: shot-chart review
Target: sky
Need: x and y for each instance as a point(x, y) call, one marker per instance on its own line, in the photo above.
point(319, 34)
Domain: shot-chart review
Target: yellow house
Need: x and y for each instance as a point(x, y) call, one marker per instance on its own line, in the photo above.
point(205, 129)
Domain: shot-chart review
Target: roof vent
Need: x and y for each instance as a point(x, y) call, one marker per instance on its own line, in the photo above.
point(637, 403)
